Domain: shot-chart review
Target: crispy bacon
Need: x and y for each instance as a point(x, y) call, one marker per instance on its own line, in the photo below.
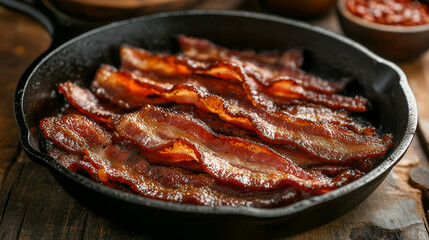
point(107, 79)
point(296, 155)
point(224, 128)
point(72, 161)
point(74, 133)
point(228, 159)
point(328, 142)
point(285, 87)
point(204, 49)
point(86, 102)
point(241, 128)
point(269, 71)
point(121, 92)
point(133, 58)
point(319, 113)
point(116, 166)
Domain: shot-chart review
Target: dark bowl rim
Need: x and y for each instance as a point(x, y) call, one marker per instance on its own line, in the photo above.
point(260, 213)
point(342, 9)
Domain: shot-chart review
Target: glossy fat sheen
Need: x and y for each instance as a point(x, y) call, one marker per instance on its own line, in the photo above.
point(233, 160)
point(329, 142)
point(255, 80)
point(270, 65)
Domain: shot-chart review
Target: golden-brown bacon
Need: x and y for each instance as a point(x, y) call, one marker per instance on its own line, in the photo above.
point(228, 159)
point(260, 95)
point(91, 151)
point(268, 71)
point(224, 128)
point(133, 58)
point(106, 79)
point(327, 141)
point(294, 154)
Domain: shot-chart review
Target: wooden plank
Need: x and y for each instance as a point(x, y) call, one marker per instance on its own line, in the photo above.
point(17, 52)
point(33, 204)
point(99, 228)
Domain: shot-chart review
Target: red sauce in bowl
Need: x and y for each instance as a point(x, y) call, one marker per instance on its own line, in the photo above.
point(390, 12)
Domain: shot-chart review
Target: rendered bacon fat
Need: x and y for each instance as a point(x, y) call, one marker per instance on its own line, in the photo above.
point(133, 58)
point(116, 166)
point(329, 142)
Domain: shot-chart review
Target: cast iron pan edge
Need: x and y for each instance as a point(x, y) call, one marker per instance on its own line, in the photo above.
point(254, 214)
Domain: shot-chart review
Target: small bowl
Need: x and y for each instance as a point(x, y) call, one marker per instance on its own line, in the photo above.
point(108, 10)
point(397, 43)
point(299, 8)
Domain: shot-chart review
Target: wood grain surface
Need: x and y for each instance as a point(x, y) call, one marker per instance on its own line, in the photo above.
point(34, 206)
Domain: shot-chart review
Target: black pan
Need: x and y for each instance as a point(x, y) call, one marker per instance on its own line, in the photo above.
point(393, 110)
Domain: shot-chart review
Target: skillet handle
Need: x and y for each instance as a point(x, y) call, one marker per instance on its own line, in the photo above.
point(60, 26)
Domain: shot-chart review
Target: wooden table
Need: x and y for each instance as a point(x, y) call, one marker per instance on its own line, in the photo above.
point(33, 204)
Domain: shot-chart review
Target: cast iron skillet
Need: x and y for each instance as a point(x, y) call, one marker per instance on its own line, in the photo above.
point(393, 110)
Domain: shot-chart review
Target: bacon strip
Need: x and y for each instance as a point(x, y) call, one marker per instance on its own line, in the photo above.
point(115, 166)
point(272, 71)
point(133, 58)
point(204, 49)
point(296, 155)
point(105, 80)
point(224, 128)
point(86, 102)
point(231, 160)
point(123, 93)
point(72, 161)
point(319, 113)
point(328, 142)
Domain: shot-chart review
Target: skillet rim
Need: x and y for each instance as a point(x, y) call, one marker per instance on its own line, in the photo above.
point(261, 213)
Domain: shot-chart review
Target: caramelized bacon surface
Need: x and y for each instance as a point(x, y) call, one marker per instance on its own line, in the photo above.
point(122, 92)
point(133, 58)
point(228, 159)
point(224, 128)
point(86, 102)
point(204, 49)
point(108, 78)
point(268, 70)
point(320, 139)
point(116, 166)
